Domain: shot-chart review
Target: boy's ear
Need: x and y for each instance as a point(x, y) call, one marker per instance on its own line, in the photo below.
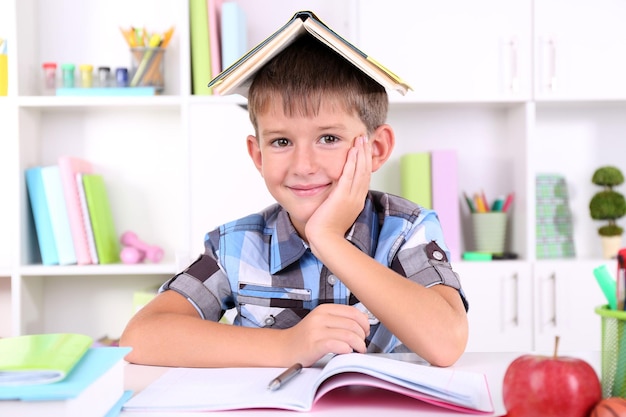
point(382, 141)
point(255, 152)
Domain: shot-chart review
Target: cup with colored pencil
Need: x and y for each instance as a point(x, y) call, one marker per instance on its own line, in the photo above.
point(147, 56)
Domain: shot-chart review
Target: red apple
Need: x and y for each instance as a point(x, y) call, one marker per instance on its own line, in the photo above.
point(550, 386)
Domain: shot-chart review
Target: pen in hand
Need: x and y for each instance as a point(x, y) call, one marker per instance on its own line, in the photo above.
point(284, 377)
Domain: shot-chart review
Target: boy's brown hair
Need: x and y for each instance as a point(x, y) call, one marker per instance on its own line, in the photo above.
point(308, 72)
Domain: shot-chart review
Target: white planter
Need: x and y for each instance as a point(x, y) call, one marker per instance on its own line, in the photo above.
point(610, 246)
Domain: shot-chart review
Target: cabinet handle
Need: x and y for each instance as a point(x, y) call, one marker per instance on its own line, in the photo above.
point(551, 63)
point(548, 303)
point(510, 305)
point(513, 64)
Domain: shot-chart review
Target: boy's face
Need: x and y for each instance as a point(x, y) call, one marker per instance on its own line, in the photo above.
point(301, 158)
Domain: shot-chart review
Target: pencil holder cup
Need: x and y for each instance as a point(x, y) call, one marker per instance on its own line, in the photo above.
point(147, 68)
point(613, 354)
point(489, 231)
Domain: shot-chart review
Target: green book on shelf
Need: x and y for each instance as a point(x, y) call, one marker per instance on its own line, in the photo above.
point(101, 218)
point(40, 358)
point(415, 178)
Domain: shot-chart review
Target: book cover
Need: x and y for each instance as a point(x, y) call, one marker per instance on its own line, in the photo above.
point(200, 47)
point(214, 8)
point(415, 178)
point(40, 358)
point(233, 29)
point(213, 389)
point(445, 197)
point(91, 243)
point(69, 167)
point(104, 233)
point(237, 77)
point(41, 216)
point(94, 388)
point(53, 186)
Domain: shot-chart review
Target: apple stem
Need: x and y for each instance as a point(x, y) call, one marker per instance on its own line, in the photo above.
point(556, 346)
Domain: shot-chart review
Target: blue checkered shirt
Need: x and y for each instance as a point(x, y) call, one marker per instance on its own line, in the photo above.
point(261, 267)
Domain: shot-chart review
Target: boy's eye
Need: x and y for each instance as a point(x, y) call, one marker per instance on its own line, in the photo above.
point(329, 139)
point(280, 143)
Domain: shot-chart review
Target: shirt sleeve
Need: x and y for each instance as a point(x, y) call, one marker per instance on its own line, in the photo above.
point(205, 286)
point(423, 259)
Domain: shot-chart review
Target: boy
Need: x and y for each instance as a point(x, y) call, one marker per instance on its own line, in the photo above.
point(332, 267)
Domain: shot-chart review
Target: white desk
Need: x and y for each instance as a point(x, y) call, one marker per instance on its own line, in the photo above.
point(493, 365)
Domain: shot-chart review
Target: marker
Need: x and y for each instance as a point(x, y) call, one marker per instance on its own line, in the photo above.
point(283, 378)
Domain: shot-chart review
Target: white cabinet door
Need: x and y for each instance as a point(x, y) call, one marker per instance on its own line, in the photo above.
point(579, 49)
point(500, 312)
point(452, 49)
point(566, 295)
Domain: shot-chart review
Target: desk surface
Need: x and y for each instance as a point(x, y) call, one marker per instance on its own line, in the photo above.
point(493, 365)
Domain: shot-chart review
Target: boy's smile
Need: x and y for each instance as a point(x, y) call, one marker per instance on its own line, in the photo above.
point(301, 157)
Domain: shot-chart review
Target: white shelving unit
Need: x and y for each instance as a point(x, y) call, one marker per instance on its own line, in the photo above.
point(176, 165)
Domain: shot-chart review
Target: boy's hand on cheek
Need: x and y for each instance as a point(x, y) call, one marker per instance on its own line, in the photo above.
point(341, 208)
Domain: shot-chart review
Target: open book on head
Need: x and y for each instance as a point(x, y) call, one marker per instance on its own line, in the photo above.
point(238, 77)
point(213, 389)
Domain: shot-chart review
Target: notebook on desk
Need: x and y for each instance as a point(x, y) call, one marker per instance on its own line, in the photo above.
point(214, 389)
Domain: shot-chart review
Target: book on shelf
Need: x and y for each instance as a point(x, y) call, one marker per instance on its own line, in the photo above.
point(200, 47)
point(214, 389)
point(238, 76)
point(214, 9)
point(415, 178)
point(69, 167)
point(41, 216)
point(93, 388)
point(61, 230)
point(101, 218)
point(40, 358)
point(233, 33)
point(91, 242)
point(445, 197)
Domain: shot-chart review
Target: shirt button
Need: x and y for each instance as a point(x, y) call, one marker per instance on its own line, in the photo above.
point(437, 255)
point(269, 321)
point(332, 280)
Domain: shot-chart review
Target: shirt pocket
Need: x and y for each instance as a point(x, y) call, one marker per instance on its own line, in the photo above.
point(268, 306)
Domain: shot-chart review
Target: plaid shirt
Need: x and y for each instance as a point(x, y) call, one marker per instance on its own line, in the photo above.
point(260, 266)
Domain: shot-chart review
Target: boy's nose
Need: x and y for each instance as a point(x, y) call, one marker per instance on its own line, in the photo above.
point(304, 161)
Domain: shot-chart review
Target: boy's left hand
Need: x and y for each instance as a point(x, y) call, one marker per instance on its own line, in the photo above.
point(337, 214)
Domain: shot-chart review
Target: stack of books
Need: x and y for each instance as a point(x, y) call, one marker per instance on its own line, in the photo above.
point(72, 214)
point(430, 179)
point(218, 38)
point(554, 230)
point(60, 375)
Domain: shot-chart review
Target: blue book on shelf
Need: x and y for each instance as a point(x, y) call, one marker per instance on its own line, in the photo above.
point(59, 216)
point(107, 91)
point(234, 34)
point(41, 216)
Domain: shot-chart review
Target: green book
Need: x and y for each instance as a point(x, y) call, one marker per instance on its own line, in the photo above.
point(40, 358)
point(101, 217)
point(415, 176)
point(200, 47)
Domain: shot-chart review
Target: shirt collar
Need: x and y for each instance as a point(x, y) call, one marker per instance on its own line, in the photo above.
point(286, 246)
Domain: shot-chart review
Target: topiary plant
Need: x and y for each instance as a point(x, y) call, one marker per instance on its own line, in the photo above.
point(608, 204)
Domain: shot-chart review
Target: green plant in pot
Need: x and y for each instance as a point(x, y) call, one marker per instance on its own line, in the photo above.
point(608, 205)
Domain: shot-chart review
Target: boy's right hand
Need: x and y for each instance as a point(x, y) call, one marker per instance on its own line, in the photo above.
point(328, 328)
